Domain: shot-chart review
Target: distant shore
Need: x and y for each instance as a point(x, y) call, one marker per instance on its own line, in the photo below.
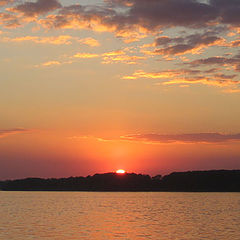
point(191, 181)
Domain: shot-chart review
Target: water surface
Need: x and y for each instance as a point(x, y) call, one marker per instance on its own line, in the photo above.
point(113, 216)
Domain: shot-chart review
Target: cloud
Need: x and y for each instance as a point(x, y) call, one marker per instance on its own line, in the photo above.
point(54, 63)
point(80, 17)
point(191, 44)
point(190, 13)
point(183, 138)
point(152, 75)
point(171, 73)
point(56, 40)
point(100, 139)
point(85, 55)
point(187, 76)
point(33, 9)
point(51, 63)
point(90, 42)
point(235, 43)
point(25, 12)
point(5, 2)
point(114, 53)
point(7, 132)
point(136, 20)
point(9, 20)
point(212, 81)
point(221, 61)
point(145, 15)
point(154, 138)
point(120, 56)
point(132, 19)
point(59, 40)
point(228, 11)
point(163, 40)
point(155, 14)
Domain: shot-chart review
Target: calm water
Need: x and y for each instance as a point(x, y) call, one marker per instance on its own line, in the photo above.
point(97, 216)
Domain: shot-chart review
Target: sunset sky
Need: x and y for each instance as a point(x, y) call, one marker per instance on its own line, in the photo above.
point(148, 86)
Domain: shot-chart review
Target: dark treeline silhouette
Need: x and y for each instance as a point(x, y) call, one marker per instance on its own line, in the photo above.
point(192, 181)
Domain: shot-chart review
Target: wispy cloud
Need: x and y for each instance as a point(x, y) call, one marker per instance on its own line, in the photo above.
point(90, 42)
point(100, 139)
point(187, 76)
point(153, 75)
point(212, 81)
point(50, 63)
point(112, 57)
point(58, 40)
point(55, 40)
point(184, 138)
point(120, 56)
point(9, 20)
point(154, 138)
point(7, 132)
point(86, 55)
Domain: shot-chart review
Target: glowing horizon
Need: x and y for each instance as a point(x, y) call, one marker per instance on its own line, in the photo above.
point(121, 171)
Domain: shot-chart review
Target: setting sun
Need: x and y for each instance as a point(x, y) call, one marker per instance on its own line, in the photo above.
point(121, 171)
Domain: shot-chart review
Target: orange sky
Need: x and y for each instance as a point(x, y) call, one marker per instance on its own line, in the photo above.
point(133, 84)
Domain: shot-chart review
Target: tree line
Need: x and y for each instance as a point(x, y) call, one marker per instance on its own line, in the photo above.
point(191, 181)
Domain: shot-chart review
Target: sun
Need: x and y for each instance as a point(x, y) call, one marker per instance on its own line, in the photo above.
point(120, 171)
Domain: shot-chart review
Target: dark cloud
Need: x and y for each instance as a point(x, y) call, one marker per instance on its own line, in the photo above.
point(6, 132)
point(149, 14)
point(162, 41)
point(184, 138)
point(126, 15)
point(121, 3)
point(221, 61)
point(154, 13)
point(210, 61)
point(190, 43)
point(184, 12)
point(172, 50)
point(166, 40)
point(212, 70)
point(77, 16)
point(225, 76)
point(228, 11)
point(31, 9)
point(235, 43)
point(190, 71)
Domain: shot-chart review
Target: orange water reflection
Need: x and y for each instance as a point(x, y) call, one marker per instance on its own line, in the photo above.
point(135, 216)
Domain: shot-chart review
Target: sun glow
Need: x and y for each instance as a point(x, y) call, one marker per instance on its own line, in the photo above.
point(120, 171)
